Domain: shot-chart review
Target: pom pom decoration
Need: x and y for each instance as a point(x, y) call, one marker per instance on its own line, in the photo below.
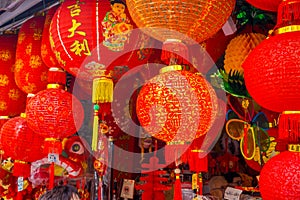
point(30, 70)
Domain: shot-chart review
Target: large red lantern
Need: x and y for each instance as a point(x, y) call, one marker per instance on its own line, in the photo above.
point(99, 30)
point(168, 104)
point(30, 70)
point(47, 54)
point(268, 5)
point(271, 70)
point(280, 177)
point(12, 99)
point(21, 144)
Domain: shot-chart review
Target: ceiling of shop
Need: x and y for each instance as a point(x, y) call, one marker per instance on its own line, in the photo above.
point(13, 13)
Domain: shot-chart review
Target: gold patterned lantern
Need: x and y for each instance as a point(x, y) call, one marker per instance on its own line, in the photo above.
point(30, 70)
point(193, 19)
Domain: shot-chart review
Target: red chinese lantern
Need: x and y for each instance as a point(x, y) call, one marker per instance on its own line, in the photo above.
point(280, 177)
point(268, 5)
point(47, 54)
point(21, 144)
point(12, 99)
point(99, 30)
point(54, 114)
point(176, 107)
point(30, 70)
point(271, 69)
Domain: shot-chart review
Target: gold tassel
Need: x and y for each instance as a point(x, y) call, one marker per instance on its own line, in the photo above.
point(102, 89)
point(95, 128)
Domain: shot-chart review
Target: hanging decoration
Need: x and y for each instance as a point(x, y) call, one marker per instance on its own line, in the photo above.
point(98, 31)
point(268, 5)
point(23, 145)
point(179, 21)
point(54, 114)
point(280, 176)
point(12, 99)
point(30, 70)
point(165, 114)
point(47, 54)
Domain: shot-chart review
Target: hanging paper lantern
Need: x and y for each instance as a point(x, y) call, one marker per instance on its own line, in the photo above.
point(98, 31)
point(46, 52)
point(12, 99)
point(30, 70)
point(238, 50)
point(54, 113)
point(21, 144)
point(271, 70)
point(197, 20)
point(280, 177)
point(268, 5)
point(176, 106)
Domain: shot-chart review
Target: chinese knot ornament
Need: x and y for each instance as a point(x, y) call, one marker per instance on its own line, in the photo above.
point(30, 70)
point(12, 99)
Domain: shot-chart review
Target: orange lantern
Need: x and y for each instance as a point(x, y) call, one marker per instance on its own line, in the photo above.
point(30, 70)
point(12, 99)
point(46, 52)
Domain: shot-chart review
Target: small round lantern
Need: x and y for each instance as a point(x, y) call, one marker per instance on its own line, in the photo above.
point(21, 144)
point(47, 54)
point(54, 114)
point(268, 5)
point(280, 177)
point(12, 99)
point(30, 70)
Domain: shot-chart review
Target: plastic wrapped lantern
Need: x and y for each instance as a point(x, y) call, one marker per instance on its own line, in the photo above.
point(12, 99)
point(30, 70)
point(21, 144)
point(268, 5)
point(280, 177)
point(271, 70)
point(47, 54)
point(178, 23)
point(176, 107)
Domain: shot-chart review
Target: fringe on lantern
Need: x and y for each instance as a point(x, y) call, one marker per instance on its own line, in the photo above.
point(102, 90)
point(19, 196)
point(175, 151)
point(21, 168)
point(57, 75)
point(174, 52)
point(52, 145)
point(177, 186)
point(289, 127)
point(288, 13)
point(51, 176)
point(95, 131)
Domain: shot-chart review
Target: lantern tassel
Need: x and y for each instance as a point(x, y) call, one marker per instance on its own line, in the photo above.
point(19, 196)
point(289, 127)
point(95, 131)
point(51, 176)
point(174, 52)
point(21, 168)
point(177, 186)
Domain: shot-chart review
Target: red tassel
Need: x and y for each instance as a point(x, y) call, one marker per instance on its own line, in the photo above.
point(174, 52)
point(177, 186)
point(19, 196)
point(51, 174)
point(52, 145)
point(289, 127)
point(99, 189)
point(21, 168)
